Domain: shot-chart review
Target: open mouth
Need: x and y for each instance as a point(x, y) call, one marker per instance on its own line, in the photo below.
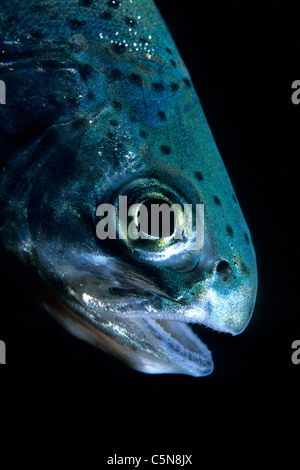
point(146, 341)
point(183, 351)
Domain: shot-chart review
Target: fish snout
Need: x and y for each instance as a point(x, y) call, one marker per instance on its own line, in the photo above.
point(225, 299)
point(233, 298)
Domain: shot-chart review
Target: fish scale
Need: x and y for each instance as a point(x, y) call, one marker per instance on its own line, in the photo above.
point(103, 106)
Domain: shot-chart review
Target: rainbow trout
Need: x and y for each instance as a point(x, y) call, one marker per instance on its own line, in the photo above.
point(99, 104)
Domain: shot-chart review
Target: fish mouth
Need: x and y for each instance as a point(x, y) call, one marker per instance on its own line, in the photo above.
point(158, 344)
point(152, 333)
point(190, 355)
point(148, 345)
point(152, 341)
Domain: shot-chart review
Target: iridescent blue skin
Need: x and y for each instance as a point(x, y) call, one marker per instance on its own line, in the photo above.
point(102, 105)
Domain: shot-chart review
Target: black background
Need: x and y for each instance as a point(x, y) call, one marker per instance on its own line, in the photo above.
point(60, 393)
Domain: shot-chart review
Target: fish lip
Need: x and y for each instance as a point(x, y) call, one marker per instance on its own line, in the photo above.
point(193, 356)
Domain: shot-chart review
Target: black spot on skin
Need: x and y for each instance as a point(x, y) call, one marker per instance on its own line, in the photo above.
point(245, 270)
point(229, 230)
point(72, 101)
point(199, 176)
point(165, 149)
point(169, 50)
point(130, 22)
point(173, 63)
point(217, 201)
point(174, 86)
point(113, 4)
point(110, 135)
point(133, 118)
point(136, 79)
point(114, 74)
point(105, 15)
point(85, 3)
point(76, 24)
point(107, 51)
point(35, 8)
point(117, 105)
point(143, 134)
point(187, 82)
point(234, 199)
point(143, 40)
point(113, 123)
point(247, 238)
point(90, 96)
point(162, 115)
point(118, 48)
point(85, 71)
point(158, 87)
point(9, 20)
point(36, 34)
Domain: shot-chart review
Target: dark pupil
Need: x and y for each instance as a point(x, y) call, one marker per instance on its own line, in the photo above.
point(169, 221)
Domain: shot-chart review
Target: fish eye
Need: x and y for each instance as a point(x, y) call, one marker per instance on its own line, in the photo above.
point(151, 205)
point(154, 228)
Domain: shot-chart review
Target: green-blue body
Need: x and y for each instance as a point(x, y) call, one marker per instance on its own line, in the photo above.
point(100, 104)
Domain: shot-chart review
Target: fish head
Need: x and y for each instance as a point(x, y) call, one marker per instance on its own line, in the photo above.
point(144, 293)
point(167, 154)
point(120, 118)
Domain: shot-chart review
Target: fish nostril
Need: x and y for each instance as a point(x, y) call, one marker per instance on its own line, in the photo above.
point(224, 271)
